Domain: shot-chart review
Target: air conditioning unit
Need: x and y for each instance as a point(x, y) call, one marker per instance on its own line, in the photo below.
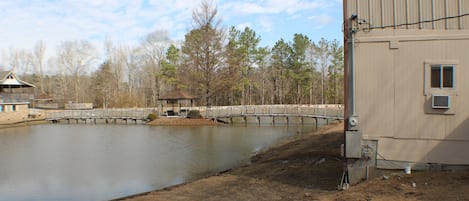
point(441, 101)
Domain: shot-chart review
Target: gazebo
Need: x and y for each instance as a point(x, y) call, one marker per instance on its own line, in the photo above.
point(13, 89)
point(15, 97)
point(176, 103)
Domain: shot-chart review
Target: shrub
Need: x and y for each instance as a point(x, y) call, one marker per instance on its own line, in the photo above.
point(152, 116)
point(194, 114)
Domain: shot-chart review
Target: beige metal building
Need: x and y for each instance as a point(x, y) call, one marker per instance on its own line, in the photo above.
point(407, 65)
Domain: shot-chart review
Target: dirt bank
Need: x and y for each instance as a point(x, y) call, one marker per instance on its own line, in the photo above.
point(170, 121)
point(307, 166)
point(310, 168)
point(28, 122)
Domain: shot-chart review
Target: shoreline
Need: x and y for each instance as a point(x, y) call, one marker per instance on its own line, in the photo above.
point(224, 180)
point(28, 122)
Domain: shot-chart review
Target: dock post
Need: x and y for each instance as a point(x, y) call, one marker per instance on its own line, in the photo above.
point(259, 120)
point(273, 120)
point(245, 119)
point(316, 122)
point(288, 120)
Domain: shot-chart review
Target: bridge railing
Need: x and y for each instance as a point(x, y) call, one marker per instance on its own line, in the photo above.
point(136, 113)
point(331, 111)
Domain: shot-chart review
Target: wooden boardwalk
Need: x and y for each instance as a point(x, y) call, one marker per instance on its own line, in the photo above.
point(227, 114)
point(287, 113)
point(101, 115)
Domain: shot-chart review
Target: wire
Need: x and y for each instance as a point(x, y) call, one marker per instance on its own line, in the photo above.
point(416, 23)
point(393, 164)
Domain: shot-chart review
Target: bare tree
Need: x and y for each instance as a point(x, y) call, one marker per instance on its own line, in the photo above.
point(20, 60)
point(322, 57)
point(154, 47)
point(130, 59)
point(38, 59)
point(76, 57)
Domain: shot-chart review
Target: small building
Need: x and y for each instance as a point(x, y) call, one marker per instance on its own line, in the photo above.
point(176, 103)
point(15, 97)
point(406, 63)
point(44, 101)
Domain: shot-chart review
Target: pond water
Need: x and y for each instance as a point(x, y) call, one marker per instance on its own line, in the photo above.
point(101, 162)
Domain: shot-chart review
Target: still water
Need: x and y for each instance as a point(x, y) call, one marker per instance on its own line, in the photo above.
point(100, 162)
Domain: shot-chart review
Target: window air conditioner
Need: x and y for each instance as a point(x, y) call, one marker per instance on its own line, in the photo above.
point(441, 101)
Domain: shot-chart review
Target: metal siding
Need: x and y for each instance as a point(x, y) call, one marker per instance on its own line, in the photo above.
point(424, 151)
point(426, 13)
point(413, 13)
point(375, 89)
point(464, 10)
point(452, 10)
point(440, 13)
point(401, 13)
point(376, 16)
point(388, 13)
point(363, 10)
point(410, 118)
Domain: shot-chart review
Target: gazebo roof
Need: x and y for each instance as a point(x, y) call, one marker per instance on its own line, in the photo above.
point(8, 78)
point(177, 95)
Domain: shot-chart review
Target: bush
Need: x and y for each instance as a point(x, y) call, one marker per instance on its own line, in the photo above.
point(194, 114)
point(152, 116)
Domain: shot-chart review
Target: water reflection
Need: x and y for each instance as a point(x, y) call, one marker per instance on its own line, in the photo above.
point(99, 162)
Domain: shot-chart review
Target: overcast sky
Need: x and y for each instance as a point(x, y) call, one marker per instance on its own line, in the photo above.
point(24, 22)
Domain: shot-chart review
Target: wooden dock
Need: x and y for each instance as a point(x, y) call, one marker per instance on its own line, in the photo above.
point(116, 116)
point(274, 114)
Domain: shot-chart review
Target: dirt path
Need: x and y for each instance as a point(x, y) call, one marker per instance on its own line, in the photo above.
point(310, 168)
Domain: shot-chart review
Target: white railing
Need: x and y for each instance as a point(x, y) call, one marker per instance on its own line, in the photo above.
point(325, 111)
point(134, 113)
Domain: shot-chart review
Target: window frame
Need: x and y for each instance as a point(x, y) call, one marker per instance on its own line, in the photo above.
point(442, 75)
point(428, 89)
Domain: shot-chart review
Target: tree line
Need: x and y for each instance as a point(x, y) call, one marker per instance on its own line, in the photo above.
point(219, 66)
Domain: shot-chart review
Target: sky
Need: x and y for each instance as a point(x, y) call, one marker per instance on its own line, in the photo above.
point(24, 22)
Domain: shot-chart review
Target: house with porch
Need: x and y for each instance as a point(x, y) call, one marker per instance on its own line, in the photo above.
point(406, 64)
point(15, 97)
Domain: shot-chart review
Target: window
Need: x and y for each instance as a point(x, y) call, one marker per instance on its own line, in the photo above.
point(442, 76)
point(441, 86)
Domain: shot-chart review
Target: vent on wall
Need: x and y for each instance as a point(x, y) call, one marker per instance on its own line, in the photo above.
point(441, 101)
